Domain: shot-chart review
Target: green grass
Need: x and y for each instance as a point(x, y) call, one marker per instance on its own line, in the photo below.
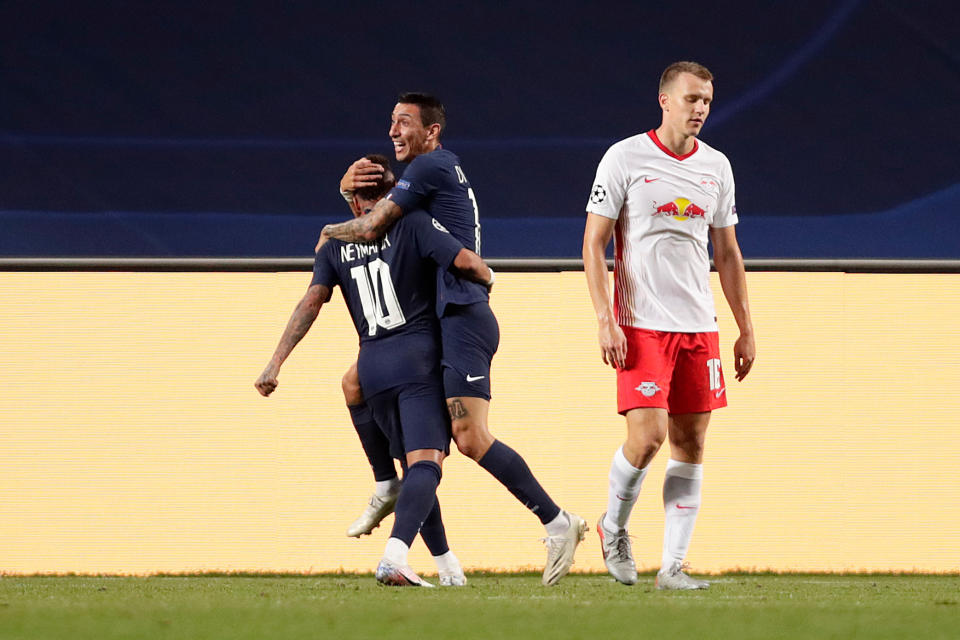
point(491, 606)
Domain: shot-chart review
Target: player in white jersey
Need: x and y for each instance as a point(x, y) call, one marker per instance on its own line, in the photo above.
point(663, 194)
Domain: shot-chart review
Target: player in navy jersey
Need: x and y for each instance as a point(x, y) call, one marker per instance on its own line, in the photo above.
point(435, 181)
point(398, 364)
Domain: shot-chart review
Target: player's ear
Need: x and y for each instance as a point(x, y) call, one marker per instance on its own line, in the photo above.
point(664, 100)
point(433, 131)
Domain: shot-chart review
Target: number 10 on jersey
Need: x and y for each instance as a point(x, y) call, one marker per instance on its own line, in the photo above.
point(373, 279)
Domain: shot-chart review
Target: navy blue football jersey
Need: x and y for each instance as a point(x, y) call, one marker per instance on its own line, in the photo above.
point(390, 288)
point(436, 183)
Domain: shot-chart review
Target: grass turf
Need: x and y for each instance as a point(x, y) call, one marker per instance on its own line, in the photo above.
point(490, 606)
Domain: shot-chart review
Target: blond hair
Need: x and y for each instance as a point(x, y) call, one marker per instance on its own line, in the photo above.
point(684, 66)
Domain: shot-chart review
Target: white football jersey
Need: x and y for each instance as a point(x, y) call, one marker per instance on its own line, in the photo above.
point(664, 205)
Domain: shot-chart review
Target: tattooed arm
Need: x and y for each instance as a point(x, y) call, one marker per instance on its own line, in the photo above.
point(300, 322)
point(366, 228)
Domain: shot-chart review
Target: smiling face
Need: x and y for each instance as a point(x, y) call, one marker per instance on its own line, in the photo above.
point(410, 136)
point(686, 104)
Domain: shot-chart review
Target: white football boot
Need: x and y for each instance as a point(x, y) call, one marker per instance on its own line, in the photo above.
point(378, 508)
point(560, 549)
point(393, 575)
point(453, 578)
point(617, 554)
point(675, 578)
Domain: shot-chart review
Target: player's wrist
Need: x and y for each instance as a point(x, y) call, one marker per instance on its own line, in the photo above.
point(493, 278)
point(346, 194)
point(606, 321)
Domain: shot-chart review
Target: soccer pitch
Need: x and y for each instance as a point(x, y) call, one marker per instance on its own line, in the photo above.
point(490, 606)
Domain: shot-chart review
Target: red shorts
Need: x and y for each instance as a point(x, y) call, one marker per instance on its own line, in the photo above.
point(679, 372)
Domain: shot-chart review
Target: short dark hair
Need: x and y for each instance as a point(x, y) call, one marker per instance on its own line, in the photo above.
point(684, 66)
point(386, 182)
point(432, 110)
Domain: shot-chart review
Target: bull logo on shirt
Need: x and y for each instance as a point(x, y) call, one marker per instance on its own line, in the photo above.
point(679, 209)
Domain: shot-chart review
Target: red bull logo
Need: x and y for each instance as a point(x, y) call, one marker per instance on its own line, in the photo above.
point(679, 209)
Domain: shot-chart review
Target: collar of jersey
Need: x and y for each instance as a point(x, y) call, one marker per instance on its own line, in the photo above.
point(653, 136)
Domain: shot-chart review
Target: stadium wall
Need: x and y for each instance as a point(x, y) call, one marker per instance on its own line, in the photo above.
point(179, 128)
point(133, 440)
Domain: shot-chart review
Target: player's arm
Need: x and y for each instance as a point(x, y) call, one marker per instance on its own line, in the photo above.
point(596, 237)
point(367, 228)
point(470, 266)
point(733, 280)
point(435, 242)
point(300, 322)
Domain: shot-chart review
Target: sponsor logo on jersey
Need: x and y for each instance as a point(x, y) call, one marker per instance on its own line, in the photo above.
point(598, 195)
point(679, 209)
point(474, 378)
point(438, 226)
point(648, 388)
point(403, 184)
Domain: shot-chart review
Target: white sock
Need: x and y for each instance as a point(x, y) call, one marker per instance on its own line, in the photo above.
point(396, 551)
point(447, 563)
point(681, 503)
point(384, 488)
point(559, 525)
point(625, 481)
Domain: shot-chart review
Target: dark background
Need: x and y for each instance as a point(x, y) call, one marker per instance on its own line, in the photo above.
point(167, 128)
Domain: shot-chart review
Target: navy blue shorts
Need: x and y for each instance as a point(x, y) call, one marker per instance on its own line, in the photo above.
point(412, 416)
point(470, 336)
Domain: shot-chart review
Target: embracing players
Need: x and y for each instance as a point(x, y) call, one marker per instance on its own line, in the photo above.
point(435, 181)
point(661, 194)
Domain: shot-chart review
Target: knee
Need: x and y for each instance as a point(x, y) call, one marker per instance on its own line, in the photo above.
point(473, 440)
point(352, 393)
point(641, 448)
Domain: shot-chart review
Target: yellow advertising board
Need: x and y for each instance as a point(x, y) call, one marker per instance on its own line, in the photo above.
point(133, 441)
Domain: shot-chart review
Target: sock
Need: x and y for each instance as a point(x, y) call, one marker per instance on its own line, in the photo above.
point(681, 503)
point(396, 551)
point(418, 495)
point(559, 525)
point(625, 481)
point(433, 532)
point(374, 442)
point(447, 563)
point(384, 488)
point(512, 471)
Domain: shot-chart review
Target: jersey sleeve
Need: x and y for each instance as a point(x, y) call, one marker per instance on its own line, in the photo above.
point(324, 271)
point(417, 184)
point(610, 186)
point(726, 214)
point(432, 239)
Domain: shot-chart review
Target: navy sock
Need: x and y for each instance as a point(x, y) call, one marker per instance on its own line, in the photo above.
point(418, 495)
point(433, 532)
point(512, 471)
point(374, 442)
